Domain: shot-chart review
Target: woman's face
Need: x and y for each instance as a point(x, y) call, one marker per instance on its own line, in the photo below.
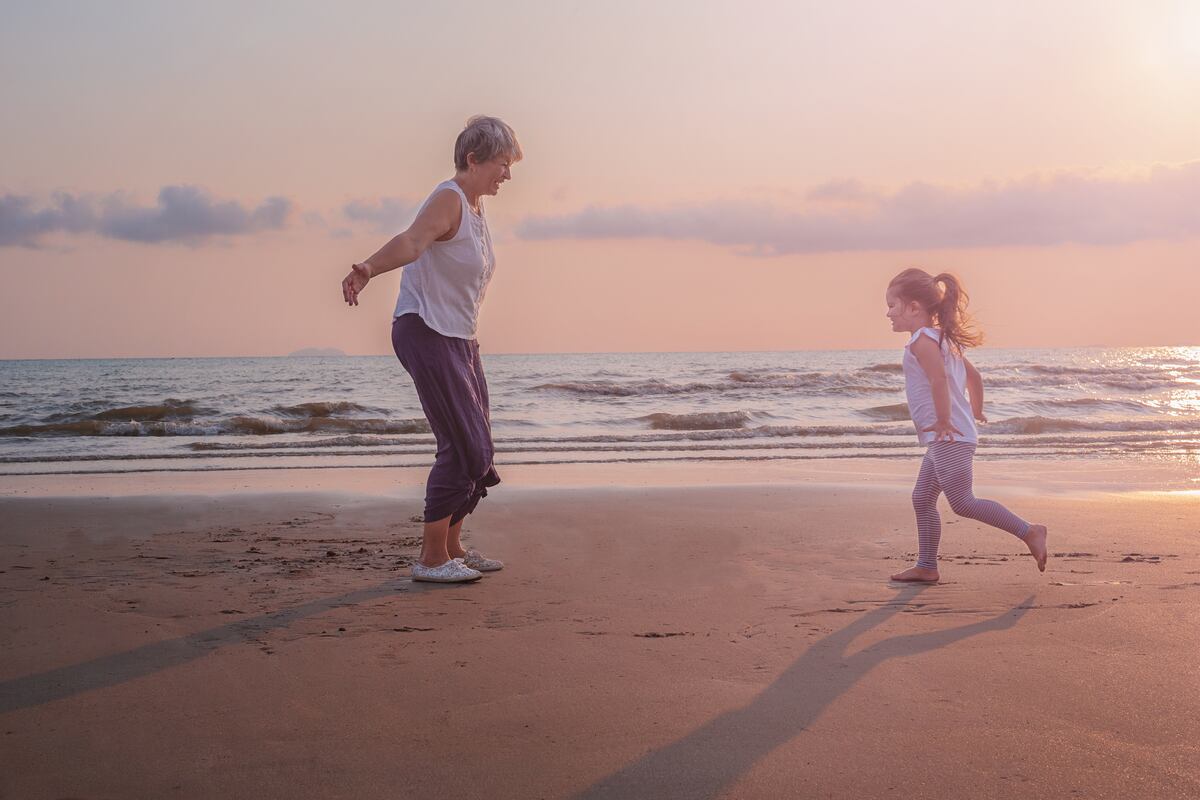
point(490, 174)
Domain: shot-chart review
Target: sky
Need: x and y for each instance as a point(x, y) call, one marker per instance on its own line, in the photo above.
point(194, 179)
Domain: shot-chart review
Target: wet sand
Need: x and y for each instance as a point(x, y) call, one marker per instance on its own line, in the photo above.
point(700, 632)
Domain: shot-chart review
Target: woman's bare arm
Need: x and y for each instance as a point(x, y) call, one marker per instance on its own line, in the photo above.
point(437, 221)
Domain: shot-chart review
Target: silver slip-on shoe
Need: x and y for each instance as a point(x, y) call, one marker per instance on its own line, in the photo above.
point(476, 560)
point(450, 572)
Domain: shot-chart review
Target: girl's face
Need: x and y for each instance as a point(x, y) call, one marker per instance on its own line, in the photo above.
point(905, 316)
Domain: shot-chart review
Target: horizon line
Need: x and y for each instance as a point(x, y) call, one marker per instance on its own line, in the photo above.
point(586, 352)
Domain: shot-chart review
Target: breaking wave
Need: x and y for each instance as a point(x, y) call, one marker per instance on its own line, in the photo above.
point(893, 413)
point(713, 420)
point(235, 426)
point(328, 409)
point(1038, 425)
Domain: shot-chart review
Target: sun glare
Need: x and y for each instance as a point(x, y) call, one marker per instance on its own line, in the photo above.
point(1177, 45)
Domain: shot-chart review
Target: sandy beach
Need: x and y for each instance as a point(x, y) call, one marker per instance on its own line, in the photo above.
point(729, 295)
point(659, 632)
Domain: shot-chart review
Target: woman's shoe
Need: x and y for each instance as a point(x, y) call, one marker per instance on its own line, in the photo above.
point(475, 560)
point(450, 572)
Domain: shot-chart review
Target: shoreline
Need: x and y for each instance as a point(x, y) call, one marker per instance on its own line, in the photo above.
point(1053, 475)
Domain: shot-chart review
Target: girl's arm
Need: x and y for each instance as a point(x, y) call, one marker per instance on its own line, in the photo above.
point(975, 390)
point(437, 221)
point(929, 356)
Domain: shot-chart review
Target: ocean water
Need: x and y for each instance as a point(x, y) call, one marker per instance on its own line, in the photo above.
point(286, 413)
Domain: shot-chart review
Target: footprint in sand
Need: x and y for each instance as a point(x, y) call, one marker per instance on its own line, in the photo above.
point(1143, 558)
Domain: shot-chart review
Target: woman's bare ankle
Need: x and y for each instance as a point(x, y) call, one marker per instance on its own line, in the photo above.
point(434, 560)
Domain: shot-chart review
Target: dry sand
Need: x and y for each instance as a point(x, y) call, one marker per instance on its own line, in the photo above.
point(659, 632)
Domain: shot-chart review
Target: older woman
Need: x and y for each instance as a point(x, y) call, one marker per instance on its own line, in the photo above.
point(448, 254)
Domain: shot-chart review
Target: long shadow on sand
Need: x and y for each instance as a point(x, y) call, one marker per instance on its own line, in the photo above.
point(105, 671)
point(711, 758)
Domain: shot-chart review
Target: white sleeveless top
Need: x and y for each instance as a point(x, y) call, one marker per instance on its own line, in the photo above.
point(920, 394)
point(446, 285)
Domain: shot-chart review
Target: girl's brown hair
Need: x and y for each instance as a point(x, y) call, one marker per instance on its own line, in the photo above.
point(947, 306)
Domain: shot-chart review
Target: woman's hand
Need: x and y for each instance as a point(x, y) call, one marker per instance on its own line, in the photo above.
point(355, 282)
point(438, 221)
point(980, 417)
point(943, 431)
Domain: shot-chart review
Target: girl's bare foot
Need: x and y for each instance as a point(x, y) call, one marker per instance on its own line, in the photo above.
point(918, 575)
point(1035, 540)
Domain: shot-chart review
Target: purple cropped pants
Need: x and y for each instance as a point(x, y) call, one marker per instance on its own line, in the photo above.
point(449, 379)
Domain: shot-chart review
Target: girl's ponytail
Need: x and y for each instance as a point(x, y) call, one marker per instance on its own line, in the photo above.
point(948, 307)
point(952, 316)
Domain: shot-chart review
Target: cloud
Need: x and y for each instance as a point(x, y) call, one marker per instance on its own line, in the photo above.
point(188, 214)
point(21, 224)
point(385, 215)
point(843, 191)
point(1082, 208)
point(183, 214)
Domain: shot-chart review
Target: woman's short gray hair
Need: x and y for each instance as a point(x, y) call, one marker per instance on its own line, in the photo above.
point(486, 137)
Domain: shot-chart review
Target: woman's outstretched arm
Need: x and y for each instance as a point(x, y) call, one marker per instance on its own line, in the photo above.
point(438, 220)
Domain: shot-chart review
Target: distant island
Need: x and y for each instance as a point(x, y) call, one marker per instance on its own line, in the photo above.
point(317, 351)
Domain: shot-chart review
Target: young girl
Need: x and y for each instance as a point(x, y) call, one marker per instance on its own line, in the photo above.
point(935, 377)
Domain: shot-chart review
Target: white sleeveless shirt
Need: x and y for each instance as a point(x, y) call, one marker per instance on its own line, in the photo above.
point(446, 284)
point(920, 393)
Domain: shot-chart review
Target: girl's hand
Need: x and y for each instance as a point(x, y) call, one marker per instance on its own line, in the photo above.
point(355, 282)
point(943, 431)
point(980, 417)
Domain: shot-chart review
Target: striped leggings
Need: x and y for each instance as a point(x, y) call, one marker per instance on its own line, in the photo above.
point(947, 468)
